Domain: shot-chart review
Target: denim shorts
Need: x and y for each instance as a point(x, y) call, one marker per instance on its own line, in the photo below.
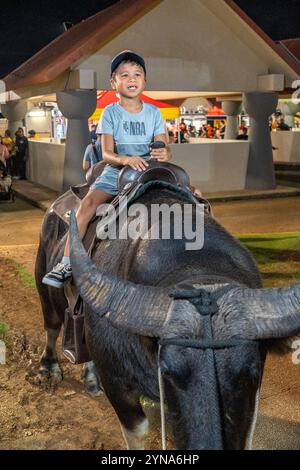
point(107, 181)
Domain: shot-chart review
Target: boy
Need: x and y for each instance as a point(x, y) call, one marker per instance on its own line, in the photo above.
point(127, 128)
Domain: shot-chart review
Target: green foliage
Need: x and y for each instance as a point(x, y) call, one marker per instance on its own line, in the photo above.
point(3, 329)
point(272, 241)
point(277, 255)
point(27, 279)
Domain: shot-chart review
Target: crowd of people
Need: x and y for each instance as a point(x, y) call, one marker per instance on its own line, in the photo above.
point(188, 132)
point(217, 130)
point(14, 153)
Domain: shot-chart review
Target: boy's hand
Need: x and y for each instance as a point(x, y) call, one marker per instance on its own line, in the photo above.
point(161, 155)
point(137, 163)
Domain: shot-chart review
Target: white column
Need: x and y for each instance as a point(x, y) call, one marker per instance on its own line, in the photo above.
point(260, 172)
point(232, 110)
point(14, 111)
point(77, 106)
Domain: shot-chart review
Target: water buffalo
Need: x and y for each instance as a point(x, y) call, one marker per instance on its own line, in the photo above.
point(204, 310)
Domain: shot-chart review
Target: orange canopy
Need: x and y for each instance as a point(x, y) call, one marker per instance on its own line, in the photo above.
point(104, 98)
point(215, 111)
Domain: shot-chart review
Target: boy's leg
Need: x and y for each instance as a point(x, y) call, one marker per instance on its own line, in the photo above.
point(87, 209)
point(86, 212)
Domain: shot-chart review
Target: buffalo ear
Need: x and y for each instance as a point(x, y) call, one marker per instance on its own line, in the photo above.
point(262, 314)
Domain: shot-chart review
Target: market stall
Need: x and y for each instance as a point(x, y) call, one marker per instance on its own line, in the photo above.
point(104, 98)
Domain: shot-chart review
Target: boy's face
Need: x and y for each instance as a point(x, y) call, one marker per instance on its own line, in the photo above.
point(129, 80)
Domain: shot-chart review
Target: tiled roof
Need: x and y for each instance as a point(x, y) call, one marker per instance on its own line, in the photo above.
point(292, 46)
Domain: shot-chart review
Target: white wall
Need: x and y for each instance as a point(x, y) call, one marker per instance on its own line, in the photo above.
point(214, 165)
point(41, 124)
point(192, 45)
point(288, 145)
point(46, 164)
point(186, 47)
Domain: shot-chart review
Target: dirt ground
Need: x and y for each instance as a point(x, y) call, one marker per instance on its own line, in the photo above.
point(35, 417)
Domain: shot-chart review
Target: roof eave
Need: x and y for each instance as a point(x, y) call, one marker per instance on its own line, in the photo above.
point(82, 39)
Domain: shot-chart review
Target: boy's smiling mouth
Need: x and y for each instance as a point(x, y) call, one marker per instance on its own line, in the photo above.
point(132, 87)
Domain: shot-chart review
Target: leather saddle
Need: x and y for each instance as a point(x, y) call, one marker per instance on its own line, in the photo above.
point(128, 179)
point(158, 171)
point(130, 182)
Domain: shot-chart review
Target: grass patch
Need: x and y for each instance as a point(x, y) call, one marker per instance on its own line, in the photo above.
point(277, 255)
point(296, 277)
point(27, 279)
point(3, 329)
point(273, 241)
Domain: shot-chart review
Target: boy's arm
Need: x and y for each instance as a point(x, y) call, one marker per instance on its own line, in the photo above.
point(109, 156)
point(108, 153)
point(163, 154)
point(85, 165)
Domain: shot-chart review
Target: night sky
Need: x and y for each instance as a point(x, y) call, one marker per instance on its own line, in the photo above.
point(280, 19)
point(28, 25)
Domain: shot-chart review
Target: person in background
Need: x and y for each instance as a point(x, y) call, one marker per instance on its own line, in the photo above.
point(21, 155)
point(92, 154)
point(243, 135)
point(4, 155)
point(182, 125)
point(171, 137)
point(217, 133)
point(282, 126)
point(93, 134)
point(9, 144)
point(222, 129)
point(191, 131)
point(243, 125)
point(31, 134)
point(210, 131)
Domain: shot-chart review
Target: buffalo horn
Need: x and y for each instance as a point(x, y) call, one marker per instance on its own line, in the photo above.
point(136, 308)
point(262, 313)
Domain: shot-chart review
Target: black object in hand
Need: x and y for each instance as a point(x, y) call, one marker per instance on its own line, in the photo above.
point(158, 144)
